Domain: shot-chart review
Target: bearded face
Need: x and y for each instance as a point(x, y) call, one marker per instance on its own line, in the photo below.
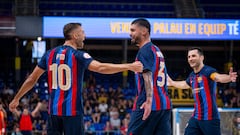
point(79, 44)
point(80, 37)
point(135, 41)
point(135, 34)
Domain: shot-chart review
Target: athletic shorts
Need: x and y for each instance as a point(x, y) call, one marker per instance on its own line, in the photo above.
point(69, 125)
point(158, 123)
point(203, 127)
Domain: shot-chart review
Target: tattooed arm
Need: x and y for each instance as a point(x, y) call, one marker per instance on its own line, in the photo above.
point(147, 105)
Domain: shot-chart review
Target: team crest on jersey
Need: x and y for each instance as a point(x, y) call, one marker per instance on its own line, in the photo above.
point(199, 79)
point(86, 55)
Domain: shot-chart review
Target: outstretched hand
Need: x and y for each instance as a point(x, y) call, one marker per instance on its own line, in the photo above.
point(233, 75)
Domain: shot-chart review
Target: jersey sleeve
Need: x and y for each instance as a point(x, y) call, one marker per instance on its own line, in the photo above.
point(146, 57)
point(86, 59)
point(43, 62)
point(211, 72)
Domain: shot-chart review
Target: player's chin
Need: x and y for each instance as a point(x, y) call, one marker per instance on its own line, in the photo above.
point(192, 65)
point(80, 46)
point(133, 42)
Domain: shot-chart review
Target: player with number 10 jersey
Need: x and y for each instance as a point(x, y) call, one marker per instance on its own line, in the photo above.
point(65, 68)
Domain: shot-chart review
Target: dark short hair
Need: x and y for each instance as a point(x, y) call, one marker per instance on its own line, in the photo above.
point(143, 22)
point(200, 50)
point(68, 28)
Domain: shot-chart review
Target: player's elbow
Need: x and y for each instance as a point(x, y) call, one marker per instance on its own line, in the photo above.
point(98, 67)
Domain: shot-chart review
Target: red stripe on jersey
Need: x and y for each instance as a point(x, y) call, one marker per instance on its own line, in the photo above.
point(208, 97)
point(197, 98)
point(61, 96)
point(49, 71)
point(155, 89)
point(139, 85)
point(74, 85)
point(135, 103)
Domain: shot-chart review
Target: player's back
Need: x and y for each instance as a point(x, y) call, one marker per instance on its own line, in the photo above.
point(65, 68)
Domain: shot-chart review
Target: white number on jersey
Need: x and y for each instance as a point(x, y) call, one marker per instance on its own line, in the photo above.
point(57, 76)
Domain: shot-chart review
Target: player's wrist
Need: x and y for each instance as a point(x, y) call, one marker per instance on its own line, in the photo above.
point(149, 100)
point(16, 98)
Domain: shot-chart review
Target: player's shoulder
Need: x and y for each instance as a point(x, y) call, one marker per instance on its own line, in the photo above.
point(149, 47)
point(208, 68)
point(55, 49)
point(192, 73)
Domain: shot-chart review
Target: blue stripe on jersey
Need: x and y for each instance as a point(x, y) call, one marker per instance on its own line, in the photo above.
point(161, 90)
point(69, 93)
point(57, 91)
point(163, 100)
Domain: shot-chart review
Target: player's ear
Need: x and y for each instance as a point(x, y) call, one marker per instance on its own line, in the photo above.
point(74, 35)
point(144, 31)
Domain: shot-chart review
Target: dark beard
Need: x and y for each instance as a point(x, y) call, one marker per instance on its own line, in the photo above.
point(134, 42)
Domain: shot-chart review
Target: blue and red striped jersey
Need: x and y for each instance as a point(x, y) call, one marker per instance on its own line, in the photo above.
point(152, 60)
point(65, 67)
point(204, 93)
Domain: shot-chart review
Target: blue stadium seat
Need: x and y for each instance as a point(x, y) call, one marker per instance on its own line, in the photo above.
point(99, 126)
point(104, 119)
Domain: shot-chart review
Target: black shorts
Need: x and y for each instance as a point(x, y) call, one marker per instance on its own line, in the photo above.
point(69, 125)
point(203, 127)
point(158, 123)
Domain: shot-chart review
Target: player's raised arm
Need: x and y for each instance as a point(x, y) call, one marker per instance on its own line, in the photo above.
point(225, 78)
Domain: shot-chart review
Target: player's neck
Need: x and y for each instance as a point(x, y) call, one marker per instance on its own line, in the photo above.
point(197, 69)
point(145, 41)
point(70, 43)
